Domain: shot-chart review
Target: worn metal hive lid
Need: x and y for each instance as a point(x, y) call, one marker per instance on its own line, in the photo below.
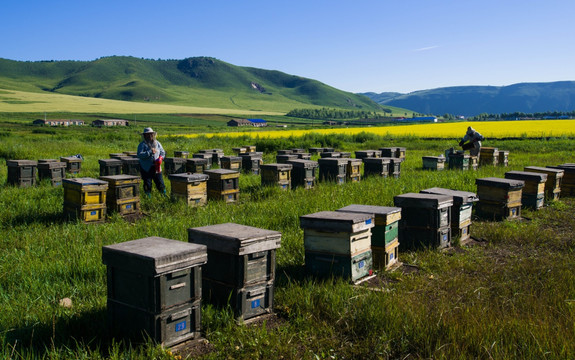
point(509, 184)
point(301, 163)
point(337, 221)
point(188, 177)
point(110, 162)
point(17, 163)
point(51, 165)
point(221, 171)
point(84, 181)
point(544, 170)
point(526, 176)
point(459, 197)
point(415, 200)
point(154, 255)
point(377, 211)
point(121, 177)
point(281, 167)
point(332, 161)
point(234, 238)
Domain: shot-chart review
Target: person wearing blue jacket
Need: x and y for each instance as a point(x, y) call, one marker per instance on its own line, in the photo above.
point(151, 154)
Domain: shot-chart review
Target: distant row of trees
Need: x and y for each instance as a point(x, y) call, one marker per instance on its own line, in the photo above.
point(522, 116)
point(334, 114)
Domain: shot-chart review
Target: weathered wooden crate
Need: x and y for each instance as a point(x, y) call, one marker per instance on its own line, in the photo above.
point(175, 165)
point(89, 214)
point(503, 158)
point(303, 173)
point(385, 257)
point(182, 154)
point(386, 221)
point(431, 211)
point(332, 169)
point(231, 163)
point(376, 166)
point(413, 238)
point(533, 192)
point(458, 161)
point(207, 157)
point(553, 183)
point(362, 154)
point(85, 191)
point(285, 158)
point(53, 170)
point(303, 156)
point(488, 156)
point(353, 170)
point(276, 175)
point(246, 303)
point(192, 188)
point(169, 328)
point(110, 167)
point(196, 165)
point(353, 267)
point(568, 184)
point(22, 172)
point(123, 194)
point(493, 210)
point(393, 152)
point(330, 154)
point(533, 201)
point(251, 163)
point(223, 184)
point(73, 164)
point(433, 162)
point(506, 192)
point(131, 166)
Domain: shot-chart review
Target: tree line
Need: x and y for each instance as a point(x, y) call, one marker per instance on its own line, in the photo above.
point(525, 116)
point(330, 114)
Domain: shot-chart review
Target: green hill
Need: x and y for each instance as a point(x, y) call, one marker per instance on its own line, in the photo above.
point(197, 81)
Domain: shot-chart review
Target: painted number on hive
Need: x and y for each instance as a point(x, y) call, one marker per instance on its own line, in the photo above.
point(181, 326)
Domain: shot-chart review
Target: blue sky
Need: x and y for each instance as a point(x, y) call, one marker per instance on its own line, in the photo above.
point(357, 46)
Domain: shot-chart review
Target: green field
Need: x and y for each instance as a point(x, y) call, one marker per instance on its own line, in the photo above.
point(510, 296)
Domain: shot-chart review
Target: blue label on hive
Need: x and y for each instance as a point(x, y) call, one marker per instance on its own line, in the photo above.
point(129, 206)
point(391, 256)
point(361, 264)
point(368, 221)
point(445, 237)
point(94, 212)
point(230, 196)
point(256, 303)
point(181, 326)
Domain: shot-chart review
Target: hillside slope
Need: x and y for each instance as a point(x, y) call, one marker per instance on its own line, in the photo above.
point(197, 81)
point(473, 100)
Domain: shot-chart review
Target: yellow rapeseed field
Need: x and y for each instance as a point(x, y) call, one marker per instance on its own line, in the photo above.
point(493, 129)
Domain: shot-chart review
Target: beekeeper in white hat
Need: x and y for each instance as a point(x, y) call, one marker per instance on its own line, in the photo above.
point(473, 139)
point(151, 154)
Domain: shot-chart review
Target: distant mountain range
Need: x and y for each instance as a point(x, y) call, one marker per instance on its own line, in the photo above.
point(474, 100)
point(195, 81)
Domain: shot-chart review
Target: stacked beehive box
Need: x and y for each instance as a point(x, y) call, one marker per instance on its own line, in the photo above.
point(175, 165)
point(376, 166)
point(332, 169)
point(285, 158)
point(73, 164)
point(207, 157)
point(85, 199)
point(123, 194)
point(117, 155)
point(460, 212)
point(285, 152)
point(499, 198)
point(131, 166)
point(182, 154)
point(533, 193)
point(223, 184)
point(553, 183)
point(298, 151)
point(362, 154)
point(316, 150)
point(192, 188)
point(241, 267)
point(393, 152)
point(250, 148)
point(303, 173)
point(330, 154)
point(216, 154)
point(384, 234)
point(53, 170)
point(338, 244)
point(568, 184)
point(251, 162)
point(488, 156)
point(196, 165)
point(457, 159)
point(110, 167)
point(353, 170)
point(345, 155)
point(503, 158)
point(239, 150)
point(155, 289)
point(276, 175)
point(425, 220)
point(394, 166)
point(433, 162)
point(231, 163)
point(473, 162)
point(22, 173)
point(131, 153)
point(303, 156)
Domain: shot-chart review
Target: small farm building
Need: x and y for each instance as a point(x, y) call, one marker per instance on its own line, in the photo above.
point(110, 122)
point(58, 122)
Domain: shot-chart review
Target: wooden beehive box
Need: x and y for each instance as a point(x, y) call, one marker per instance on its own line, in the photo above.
point(533, 193)
point(131, 153)
point(217, 156)
point(460, 212)
point(459, 161)
point(553, 183)
point(332, 169)
point(41, 161)
point(499, 198)
point(239, 150)
point(223, 184)
point(386, 222)
point(503, 158)
point(123, 194)
point(353, 170)
point(303, 156)
point(182, 154)
point(22, 172)
point(53, 170)
point(231, 163)
point(355, 268)
point(394, 166)
point(488, 156)
point(316, 150)
point(251, 162)
point(362, 154)
point(330, 154)
point(155, 287)
point(276, 175)
point(117, 155)
point(175, 165)
point(250, 148)
point(110, 167)
point(85, 199)
point(196, 165)
point(285, 158)
point(285, 152)
point(429, 211)
point(192, 188)
point(241, 270)
point(393, 152)
point(298, 151)
point(131, 166)
point(385, 257)
point(568, 184)
point(73, 164)
point(376, 166)
point(433, 162)
point(206, 156)
point(304, 173)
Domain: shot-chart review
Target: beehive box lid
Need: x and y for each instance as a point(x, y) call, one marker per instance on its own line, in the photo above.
point(505, 152)
point(334, 221)
point(209, 151)
point(197, 160)
point(383, 212)
point(556, 172)
point(52, 165)
point(221, 172)
point(436, 158)
point(567, 169)
point(301, 163)
point(110, 162)
point(352, 161)
point(202, 155)
point(188, 177)
point(509, 184)
point(394, 159)
point(122, 178)
point(18, 163)
point(234, 238)
point(526, 176)
point(298, 150)
point(415, 200)
point(130, 160)
point(85, 181)
point(175, 160)
point(281, 167)
point(367, 151)
point(254, 155)
point(487, 149)
point(377, 160)
point(459, 197)
point(232, 158)
point(40, 161)
point(70, 159)
point(154, 255)
point(332, 161)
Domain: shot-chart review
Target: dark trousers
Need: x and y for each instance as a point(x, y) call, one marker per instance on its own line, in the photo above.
point(150, 175)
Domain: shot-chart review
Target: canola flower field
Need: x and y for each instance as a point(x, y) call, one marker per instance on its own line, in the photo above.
point(489, 129)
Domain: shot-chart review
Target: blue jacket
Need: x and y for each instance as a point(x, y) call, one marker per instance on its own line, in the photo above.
point(146, 157)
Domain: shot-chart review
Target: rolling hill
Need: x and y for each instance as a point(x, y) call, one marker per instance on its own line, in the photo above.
point(473, 100)
point(196, 81)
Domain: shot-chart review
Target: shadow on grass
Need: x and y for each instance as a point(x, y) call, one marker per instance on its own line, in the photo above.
point(46, 219)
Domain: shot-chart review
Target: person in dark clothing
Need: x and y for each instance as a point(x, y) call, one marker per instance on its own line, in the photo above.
point(151, 154)
point(474, 144)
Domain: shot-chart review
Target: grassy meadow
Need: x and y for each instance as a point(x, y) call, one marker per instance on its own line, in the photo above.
point(510, 296)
